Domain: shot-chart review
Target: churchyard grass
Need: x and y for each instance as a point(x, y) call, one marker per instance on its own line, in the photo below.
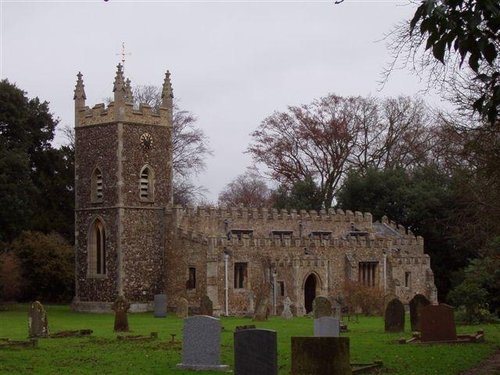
point(103, 353)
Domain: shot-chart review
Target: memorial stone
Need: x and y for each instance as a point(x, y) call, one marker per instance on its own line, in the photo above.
point(262, 310)
point(160, 305)
point(320, 356)
point(201, 344)
point(120, 307)
point(182, 308)
point(206, 306)
point(37, 320)
point(394, 316)
point(255, 352)
point(437, 323)
point(326, 326)
point(287, 312)
point(322, 307)
point(416, 304)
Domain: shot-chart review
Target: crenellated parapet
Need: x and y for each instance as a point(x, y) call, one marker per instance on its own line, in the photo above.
point(122, 109)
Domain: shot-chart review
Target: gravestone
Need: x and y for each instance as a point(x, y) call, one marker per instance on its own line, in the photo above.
point(320, 356)
point(337, 310)
point(38, 325)
point(120, 307)
point(326, 326)
point(182, 308)
point(255, 352)
point(201, 344)
point(262, 310)
point(394, 316)
point(160, 306)
point(206, 306)
point(437, 323)
point(322, 307)
point(287, 312)
point(416, 304)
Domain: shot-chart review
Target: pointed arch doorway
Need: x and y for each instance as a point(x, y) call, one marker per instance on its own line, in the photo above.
point(310, 292)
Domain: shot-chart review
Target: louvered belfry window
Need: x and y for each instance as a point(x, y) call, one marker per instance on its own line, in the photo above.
point(146, 184)
point(97, 186)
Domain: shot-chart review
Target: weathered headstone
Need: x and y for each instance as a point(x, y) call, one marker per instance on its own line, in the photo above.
point(38, 325)
point(394, 316)
point(416, 304)
point(206, 306)
point(182, 310)
point(120, 307)
point(160, 305)
point(337, 310)
point(287, 312)
point(326, 326)
point(320, 356)
point(262, 310)
point(255, 352)
point(322, 307)
point(437, 323)
point(201, 344)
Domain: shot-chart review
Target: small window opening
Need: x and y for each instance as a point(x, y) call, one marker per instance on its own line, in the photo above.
point(281, 288)
point(240, 275)
point(407, 279)
point(191, 283)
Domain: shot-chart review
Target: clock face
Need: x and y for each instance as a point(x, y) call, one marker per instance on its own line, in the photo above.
point(146, 141)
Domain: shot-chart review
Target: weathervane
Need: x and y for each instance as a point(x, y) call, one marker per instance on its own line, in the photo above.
point(123, 54)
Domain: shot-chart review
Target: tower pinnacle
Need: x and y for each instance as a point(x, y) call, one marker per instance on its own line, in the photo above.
point(167, 93)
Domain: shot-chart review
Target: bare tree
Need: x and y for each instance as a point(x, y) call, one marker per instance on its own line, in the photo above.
point(324, 139)
point(189, 142)
point(248, 189)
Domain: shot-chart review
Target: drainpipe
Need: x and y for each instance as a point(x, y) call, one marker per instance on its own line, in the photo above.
point(385, 272)
point(226, 289)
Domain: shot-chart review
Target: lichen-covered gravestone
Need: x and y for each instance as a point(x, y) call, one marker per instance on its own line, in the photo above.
point(201, 344)
point(321, 356)
point(287, 311)
point(206, 306)
point(38, 325)
point(262, 310)
point(182, 310)
point(416, 304)
point(394, 316)
point(322, 307)
point(120, 307)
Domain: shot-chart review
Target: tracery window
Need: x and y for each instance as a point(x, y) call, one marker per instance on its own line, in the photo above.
point(97, 249)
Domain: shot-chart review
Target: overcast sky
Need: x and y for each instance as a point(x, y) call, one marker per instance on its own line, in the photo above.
point(232, 62)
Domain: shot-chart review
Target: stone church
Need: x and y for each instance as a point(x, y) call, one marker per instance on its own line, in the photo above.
point(132, 241)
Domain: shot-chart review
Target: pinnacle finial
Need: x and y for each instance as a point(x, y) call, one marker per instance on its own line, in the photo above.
point(79, 88)
point(167, 92)
point(129, 97)
point(119, 83)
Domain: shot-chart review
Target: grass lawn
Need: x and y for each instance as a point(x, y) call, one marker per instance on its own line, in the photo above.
point(103, 353)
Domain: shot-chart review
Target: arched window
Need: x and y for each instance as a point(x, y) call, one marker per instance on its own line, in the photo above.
point(146, 184)
point(97, 249)
point(96, 186)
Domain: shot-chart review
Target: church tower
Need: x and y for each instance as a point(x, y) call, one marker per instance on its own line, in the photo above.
point(123, 187)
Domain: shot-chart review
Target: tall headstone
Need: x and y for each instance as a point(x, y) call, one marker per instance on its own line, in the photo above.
point(321, 356)
point(120, 307)
point(287, 311)
point(201, 344)
point(394, 316)
point(262, 310)
point(326, 326)
point(38, 325)
point(206, 306)
point(337, 310)
point(416, 304)
point(322, 307)
point(182, 310)
point(255, 352)
point(437, 323)
point(160, 306)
